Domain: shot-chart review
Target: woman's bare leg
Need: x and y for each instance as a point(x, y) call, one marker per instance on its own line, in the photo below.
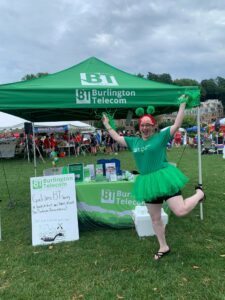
point(158, 226)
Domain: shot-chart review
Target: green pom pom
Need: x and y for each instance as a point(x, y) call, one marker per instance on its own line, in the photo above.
point(192, 98)
point(150, 110)
point(139, 111)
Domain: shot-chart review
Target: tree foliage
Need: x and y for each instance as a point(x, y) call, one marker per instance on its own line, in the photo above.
point(33, 76)
point(140, 75)
point(189, 121)
point(210, 88)
point(186, 82)
point(164, 78)
point(165, 124)
point(98, 124)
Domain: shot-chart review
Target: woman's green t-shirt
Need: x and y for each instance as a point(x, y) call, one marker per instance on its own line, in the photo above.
point(150, 155)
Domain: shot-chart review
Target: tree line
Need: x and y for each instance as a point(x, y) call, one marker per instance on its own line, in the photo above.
point(210, 88)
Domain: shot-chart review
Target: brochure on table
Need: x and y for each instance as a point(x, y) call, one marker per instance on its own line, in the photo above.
point(91, 172)
point(110, 171)
point(78, 170)
point(99, 172)
point(53, 209)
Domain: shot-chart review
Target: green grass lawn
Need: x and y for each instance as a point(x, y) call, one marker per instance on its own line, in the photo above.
point(111, 263)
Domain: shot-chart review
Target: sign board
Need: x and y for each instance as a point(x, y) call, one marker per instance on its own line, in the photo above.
point(7, 148)
point(53, 209)
point(50, 129)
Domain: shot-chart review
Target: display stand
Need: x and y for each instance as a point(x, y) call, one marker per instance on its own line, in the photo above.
point(28, 150)
point(11, 202)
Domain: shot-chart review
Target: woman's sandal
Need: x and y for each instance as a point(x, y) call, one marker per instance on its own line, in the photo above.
point(199, 187)
point(159, 255)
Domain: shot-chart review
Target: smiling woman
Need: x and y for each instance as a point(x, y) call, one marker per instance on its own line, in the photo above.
point(158, 180)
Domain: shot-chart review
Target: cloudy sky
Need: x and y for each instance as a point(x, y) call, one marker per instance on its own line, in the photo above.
point(184, 38)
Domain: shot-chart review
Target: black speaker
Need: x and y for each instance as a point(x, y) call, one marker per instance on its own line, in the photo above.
point(217, 125)
point(28, 128)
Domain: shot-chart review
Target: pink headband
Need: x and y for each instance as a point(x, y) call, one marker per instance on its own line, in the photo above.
point(151, 118)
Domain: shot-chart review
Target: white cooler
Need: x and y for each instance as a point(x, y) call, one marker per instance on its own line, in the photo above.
point(143, 222)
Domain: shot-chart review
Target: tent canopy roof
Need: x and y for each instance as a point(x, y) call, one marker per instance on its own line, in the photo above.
point(84, 91)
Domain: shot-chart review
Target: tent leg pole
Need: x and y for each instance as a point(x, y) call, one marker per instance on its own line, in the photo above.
point(39, 152)
point(27, 147)
point(199, 159)
point(34, 150)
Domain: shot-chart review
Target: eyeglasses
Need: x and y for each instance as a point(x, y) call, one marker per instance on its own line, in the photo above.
point(145, 125)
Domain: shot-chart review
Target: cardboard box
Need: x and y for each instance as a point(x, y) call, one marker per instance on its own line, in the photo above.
point(143, 222)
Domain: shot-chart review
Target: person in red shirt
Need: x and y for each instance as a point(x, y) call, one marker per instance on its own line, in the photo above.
point(47, 144)
point(66, 136)
point(177, 139)
point(53, 142)
point(77, 141)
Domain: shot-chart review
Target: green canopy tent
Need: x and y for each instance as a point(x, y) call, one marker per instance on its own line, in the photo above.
point(87, 89)
point(84, 90)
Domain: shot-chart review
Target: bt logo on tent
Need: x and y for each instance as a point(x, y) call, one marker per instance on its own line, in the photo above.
point(83, 97)
point(99, 79)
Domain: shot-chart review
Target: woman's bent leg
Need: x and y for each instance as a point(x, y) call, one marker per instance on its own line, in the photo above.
point(181, 207)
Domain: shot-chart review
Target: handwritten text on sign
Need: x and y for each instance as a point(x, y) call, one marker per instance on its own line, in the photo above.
point(54, 209)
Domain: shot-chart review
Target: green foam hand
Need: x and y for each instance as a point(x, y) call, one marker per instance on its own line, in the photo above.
point(192, 98)
point(111, 120)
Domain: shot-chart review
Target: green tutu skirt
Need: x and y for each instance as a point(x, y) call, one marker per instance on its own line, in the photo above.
point(163, 182)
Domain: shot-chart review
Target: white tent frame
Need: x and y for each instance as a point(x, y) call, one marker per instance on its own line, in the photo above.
point(199, 158)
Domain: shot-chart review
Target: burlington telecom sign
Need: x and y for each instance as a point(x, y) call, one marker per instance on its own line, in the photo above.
point(96, 96)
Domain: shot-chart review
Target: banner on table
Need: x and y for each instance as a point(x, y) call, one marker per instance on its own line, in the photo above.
point(50, 129)
point(107, 203)
point(53, 209)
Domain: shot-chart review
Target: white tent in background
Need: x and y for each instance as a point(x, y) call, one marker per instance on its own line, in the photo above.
point(74, 125)
point(7, 120)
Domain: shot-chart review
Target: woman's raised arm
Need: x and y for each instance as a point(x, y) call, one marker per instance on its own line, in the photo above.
point(180, 116)
point(115, 136)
